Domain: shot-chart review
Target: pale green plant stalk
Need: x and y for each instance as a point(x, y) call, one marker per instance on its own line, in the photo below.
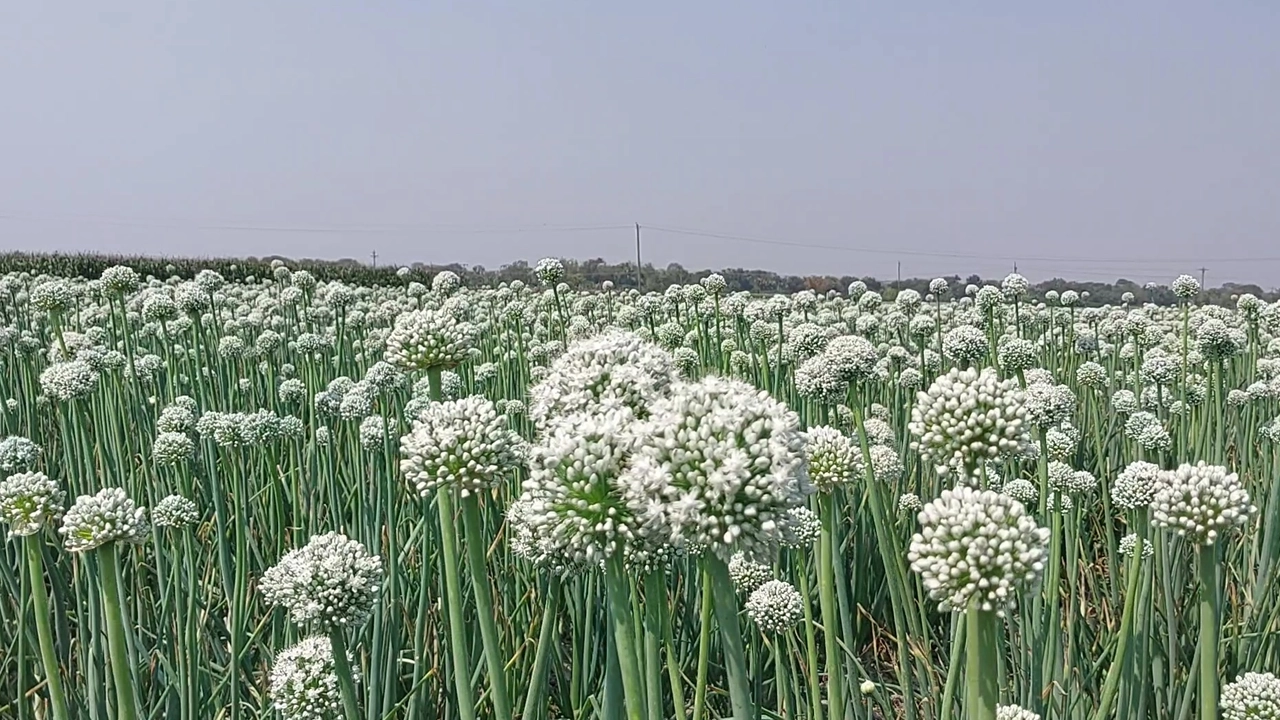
point(40, 606)
point(619, 591)
point(1126, 631)
point(827, 605)
point(1209, 618)
point(536, 696)
point(726, 604)
point(472, 524)
point(117, 640)
point(342, 668)
point(982, 689)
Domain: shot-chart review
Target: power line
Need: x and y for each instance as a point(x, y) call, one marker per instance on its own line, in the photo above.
point(316, 229)
point(959, 256)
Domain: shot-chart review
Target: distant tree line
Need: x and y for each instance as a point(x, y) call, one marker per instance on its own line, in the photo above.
point(582, 274)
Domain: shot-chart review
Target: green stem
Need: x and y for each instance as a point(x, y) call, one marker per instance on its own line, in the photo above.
point(1112, 683)
point(542, 658)
point(655, 596)
point(453, 601)
point(342, 668)
point(953, 668)
point(40, 605)
point(827, 604)
point(473, 527)
point(982, 687)
point(726, 604)
point(704, 646)
point(117, 644)
point(1208, 632)
point(619, 591)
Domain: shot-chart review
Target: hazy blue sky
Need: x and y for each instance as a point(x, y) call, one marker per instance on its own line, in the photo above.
point(1085, 139)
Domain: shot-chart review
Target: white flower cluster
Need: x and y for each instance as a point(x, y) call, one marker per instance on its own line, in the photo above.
point(108, 516)
point(572, 508)
point(332, 581)
point(174, 511)
point(968, 416)
point(1048, 404)
point(616, 370)
point(171, 448)
point(909, 503)
point(976, 546)
point(1015, 712)
point(1129, 542)
point(775, 607)
point(1199, 502)
point(721, 465)
point(68, 380)
point(804, 529)
point(28, 501)
point(964, 344)
point(1135, 487)
point(429, 338)
point(304, 684)
point(18, 453)
point(1022, 490)
point(748, 574)
point(1251, 696)
point(466, 443)
point(834, 458)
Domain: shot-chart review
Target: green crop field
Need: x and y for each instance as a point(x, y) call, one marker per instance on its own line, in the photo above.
point(288, 496)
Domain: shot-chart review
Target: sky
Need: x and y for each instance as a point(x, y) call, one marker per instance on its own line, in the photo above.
point(1085, 140)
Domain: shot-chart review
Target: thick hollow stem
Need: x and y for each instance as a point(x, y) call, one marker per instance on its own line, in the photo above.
point(542, 657)
point(704, 647)
point(1208, 633)
point(40, 605)
point(982, 686)
point(453, 602)
point(619, 590)
point(735, 658)
point(827, 604)
point(1112, 682)
point(474, 528)
point(342, 668)
point(117, 643)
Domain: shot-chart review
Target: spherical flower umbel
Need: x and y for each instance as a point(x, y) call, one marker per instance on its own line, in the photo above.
point(803, 528)
point(108, 516)
point(330, 582)
point(549, 271)
point(834, 458)
point(1015, 712)
point(304, 684)
point(572, 508)
point(964, 344)
point(721, 465)
point(466, 443)
point(1251, 696)
point(976, 546)
point(909, 503)
point(967, 416)
point(1185, 287)
point(28, 501)
point(18, 453)
point(174, 511)
point(614, 370)
point(429, 338)
point(775, 607)
point(1129, 542)
point(69, 380)
point(1199, 502)
point(748, 574)
point(1022, 490)
point(1135, 487)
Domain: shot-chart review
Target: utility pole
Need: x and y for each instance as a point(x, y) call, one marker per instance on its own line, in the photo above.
point(899, 272)
point(1202, 271)
point(639, 278)
point(374, 254)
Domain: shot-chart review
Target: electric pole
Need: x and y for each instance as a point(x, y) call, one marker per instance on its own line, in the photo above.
point(374, 254)
point(899, 272)
point(1202, 271)
point(639, 278)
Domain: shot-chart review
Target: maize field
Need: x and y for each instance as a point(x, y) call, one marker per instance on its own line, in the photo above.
point(278, 497)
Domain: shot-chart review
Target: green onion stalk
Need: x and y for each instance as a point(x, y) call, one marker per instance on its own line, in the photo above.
point(40, 605)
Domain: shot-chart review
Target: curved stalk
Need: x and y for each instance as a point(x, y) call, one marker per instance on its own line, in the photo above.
point(117, 643)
